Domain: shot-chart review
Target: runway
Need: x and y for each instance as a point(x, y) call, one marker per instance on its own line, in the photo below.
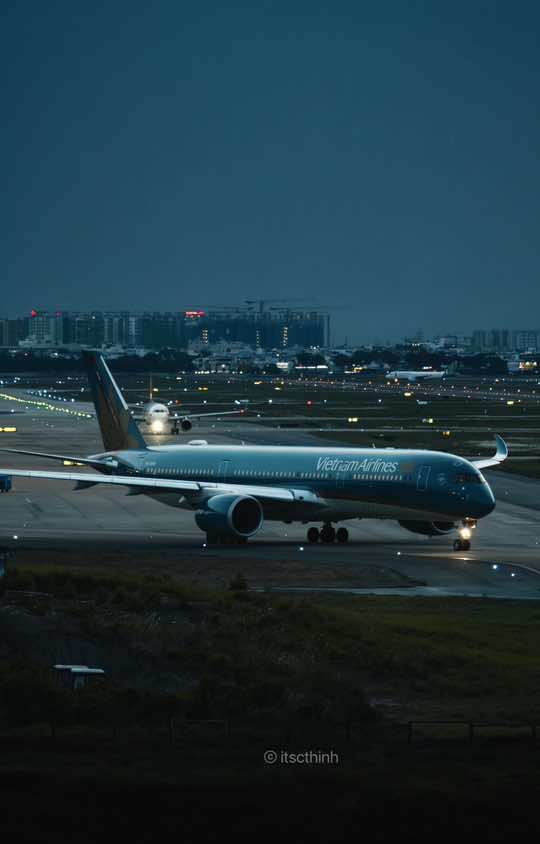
point(504, 561)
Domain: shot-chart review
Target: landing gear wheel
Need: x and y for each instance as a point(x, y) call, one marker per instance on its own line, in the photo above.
point(465, 544)
point(342, 535)
point(313, 535)
point(328, 533)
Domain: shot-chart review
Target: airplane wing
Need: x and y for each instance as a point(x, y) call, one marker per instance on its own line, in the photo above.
point(196, 488)
point(83, 461)
point(500, 455)
point(241, 410)
point(179, 416)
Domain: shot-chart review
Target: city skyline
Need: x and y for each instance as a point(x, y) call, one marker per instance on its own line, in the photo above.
point(426, 331)
point(279, 327)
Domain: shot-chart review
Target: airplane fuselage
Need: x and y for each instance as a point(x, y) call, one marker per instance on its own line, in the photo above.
point(346, 483)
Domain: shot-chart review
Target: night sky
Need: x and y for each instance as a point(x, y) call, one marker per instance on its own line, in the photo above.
point(382, 158)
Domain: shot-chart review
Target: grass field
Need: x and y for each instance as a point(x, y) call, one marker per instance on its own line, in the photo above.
point(431, 658)
point(323, 674)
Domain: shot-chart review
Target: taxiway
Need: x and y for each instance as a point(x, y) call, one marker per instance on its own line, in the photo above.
point(504, 561)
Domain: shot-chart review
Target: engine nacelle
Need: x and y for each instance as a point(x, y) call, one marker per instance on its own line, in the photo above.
point(429, 528)
point(186, 425)
point(230, 515)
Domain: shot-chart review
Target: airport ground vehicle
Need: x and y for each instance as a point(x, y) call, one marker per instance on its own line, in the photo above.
point(5, 483)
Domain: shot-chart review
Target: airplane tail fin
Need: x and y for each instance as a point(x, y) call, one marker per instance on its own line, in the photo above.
point(118, 428)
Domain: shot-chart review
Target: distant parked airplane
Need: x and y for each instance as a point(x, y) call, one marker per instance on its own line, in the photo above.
point(412, 375)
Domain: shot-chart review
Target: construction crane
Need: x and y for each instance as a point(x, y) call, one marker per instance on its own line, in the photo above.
point(262, 302)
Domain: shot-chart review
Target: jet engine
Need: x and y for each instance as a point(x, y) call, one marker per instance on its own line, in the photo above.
point(429, 528)
point(236, 516)
point(186, 425)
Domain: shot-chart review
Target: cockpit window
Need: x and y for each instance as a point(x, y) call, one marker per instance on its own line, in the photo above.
point(467, 478)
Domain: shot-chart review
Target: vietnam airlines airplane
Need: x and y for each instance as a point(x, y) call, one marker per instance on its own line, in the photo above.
point(232, 489)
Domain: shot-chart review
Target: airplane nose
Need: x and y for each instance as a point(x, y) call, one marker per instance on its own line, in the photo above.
point(485, 502)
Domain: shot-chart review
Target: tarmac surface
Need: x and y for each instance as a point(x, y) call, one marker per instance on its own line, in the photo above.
point(504, 561)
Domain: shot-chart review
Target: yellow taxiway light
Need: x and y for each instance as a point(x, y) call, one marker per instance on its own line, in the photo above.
point(407, 395)
point(46, 406)
point(446, 433)
point(8, 430)
point(510, 403)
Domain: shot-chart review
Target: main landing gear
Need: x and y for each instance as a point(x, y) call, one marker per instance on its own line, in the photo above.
point(327, 534)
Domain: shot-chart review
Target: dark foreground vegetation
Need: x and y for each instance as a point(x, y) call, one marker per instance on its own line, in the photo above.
point(201, 682)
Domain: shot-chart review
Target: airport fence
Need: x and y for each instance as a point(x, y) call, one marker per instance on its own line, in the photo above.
point(178, 731)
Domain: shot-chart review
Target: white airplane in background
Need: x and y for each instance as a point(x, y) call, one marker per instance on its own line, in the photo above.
point(160, 420)
point(414, 375)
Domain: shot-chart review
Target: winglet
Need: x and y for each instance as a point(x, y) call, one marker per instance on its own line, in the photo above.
point(500, 455)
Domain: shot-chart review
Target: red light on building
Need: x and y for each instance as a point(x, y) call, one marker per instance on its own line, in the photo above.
point(194, 314)
point(34, 313)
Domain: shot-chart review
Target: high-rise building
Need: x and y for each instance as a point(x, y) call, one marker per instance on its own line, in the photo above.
point(273, 329)
point(45, 329)
point(502, 340)
point(12, 331)
point(525, 340)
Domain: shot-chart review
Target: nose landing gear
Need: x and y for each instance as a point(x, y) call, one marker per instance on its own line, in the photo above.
point(463, 543)
point(327, 534)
